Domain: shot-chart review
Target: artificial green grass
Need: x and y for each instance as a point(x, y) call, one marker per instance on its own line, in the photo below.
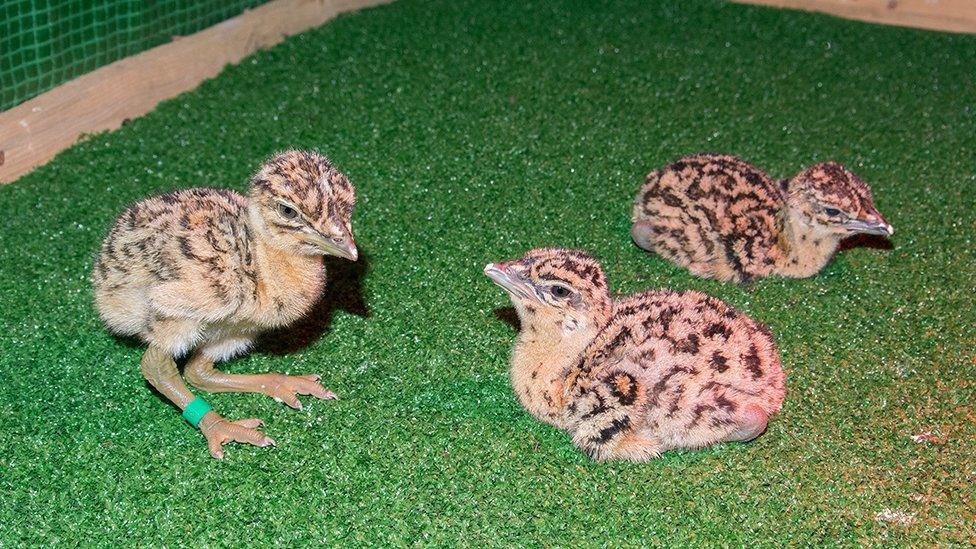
point(473, 131)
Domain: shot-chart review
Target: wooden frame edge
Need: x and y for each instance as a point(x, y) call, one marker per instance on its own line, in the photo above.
point(940, 15)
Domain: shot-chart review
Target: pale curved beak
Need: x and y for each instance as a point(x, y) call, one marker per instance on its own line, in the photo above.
point(509, 281)
point(865, 226)
point(346, 248)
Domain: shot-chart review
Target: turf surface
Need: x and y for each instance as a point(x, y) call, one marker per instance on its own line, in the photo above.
point(473, 131)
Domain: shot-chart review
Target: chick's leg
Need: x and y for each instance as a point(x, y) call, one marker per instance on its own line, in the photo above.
point(160, 371)
point(200, 372)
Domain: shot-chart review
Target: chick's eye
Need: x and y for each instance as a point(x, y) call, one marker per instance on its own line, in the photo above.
point(559, 291)
point(832, 212)
point(287, 211)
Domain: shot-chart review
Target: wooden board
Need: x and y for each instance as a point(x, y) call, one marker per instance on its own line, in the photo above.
point(943, 15)
point(34, 131)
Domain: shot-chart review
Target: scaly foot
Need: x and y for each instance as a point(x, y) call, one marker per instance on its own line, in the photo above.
point(200, 372)
point(284, 388)
point(220, 431)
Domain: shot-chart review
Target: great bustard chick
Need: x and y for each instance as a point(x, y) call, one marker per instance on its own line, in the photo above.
point(723, 218)
point(631, 379)
point(207, 270)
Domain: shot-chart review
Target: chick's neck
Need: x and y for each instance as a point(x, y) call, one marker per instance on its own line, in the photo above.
point(287, 283)
point(804, 248)
point(546, 353)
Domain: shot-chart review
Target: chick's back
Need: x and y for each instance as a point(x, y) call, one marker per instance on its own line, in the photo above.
point(686, 364)
point(711, 212)
point(182, 255)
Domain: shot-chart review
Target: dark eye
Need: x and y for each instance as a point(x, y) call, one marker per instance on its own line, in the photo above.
point(287, 211)
point(559, 291)
point(832, 212)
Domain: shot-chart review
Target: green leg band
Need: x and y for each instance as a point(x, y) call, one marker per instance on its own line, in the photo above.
point(195, 411)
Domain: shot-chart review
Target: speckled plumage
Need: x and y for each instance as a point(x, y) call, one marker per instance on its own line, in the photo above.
point(723, 218)
point(207, 270)
point(640, 376)
point(202, 258)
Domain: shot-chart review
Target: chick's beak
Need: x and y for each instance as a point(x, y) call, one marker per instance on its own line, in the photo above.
point(877, 226)
point(511, 282)
point(344, 248)
point(350, 251)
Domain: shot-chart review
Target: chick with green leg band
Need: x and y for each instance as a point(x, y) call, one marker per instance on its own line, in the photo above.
point(195, 411)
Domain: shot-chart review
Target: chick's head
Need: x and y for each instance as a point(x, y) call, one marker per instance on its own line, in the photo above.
point(304, 205)
point(555, 286)
point(830, 197)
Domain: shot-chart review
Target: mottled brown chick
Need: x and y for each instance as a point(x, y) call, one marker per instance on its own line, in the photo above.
point(723, 218)
point(637, 377)
point(206, 270)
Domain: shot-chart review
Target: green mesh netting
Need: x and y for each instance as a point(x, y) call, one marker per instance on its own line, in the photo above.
point(46, 42)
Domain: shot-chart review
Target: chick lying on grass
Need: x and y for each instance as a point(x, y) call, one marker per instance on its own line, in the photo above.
point(634, 378)
point(206, 271)
point(722, 218)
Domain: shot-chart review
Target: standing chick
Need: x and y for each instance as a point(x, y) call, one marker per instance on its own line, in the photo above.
point(206, 270)
point(631, 379)
point(723, 218)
